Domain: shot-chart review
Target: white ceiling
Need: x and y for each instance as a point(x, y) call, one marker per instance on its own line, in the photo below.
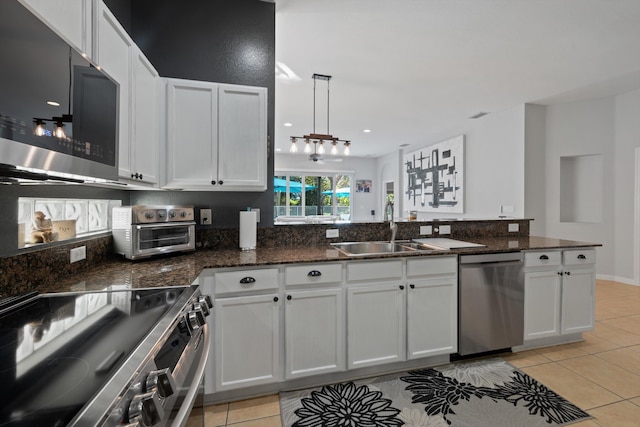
point(414, 71)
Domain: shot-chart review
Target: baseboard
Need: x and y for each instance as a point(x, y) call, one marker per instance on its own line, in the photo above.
point(548, 341)
point(623, 280)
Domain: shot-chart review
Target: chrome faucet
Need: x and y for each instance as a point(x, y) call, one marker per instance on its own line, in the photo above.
point(389, 218)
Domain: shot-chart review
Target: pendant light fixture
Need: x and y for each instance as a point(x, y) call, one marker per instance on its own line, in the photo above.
point(316, 138)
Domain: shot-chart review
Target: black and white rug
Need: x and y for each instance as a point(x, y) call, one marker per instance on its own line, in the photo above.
point(480, 393)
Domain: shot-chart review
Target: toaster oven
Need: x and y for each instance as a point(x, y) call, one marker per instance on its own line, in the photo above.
point(144, 231)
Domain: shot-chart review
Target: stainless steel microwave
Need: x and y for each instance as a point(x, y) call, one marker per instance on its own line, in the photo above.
point(58, 112)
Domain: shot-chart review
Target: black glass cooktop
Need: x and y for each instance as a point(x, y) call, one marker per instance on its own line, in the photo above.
point(57, 351)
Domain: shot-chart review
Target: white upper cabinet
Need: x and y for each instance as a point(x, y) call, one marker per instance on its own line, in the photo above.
point(216, 136)
point(242, 137)
point(71, 19)
point(143, 151)
point(138, 112)
point(192, 128)
point(112, 52)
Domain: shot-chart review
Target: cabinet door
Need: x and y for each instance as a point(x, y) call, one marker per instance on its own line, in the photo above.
point(112, 51)
point(192, 129)
point(246, 341)
point(242, 138)
point(578, 286)
point(70, 19)
point(542, 304)
point(314, 332)
point(432, 317)
point(375, 324)
point(144, 130)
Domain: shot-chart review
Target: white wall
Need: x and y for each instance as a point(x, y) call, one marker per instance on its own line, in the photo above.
point(580, 129)
point(363, 168)
point(494, 165)
point(535, 176)
point(627, 140)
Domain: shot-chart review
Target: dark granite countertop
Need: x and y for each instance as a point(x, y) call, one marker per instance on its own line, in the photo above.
point(182, 270)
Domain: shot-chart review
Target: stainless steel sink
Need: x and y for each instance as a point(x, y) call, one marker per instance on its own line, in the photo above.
point(381, 248)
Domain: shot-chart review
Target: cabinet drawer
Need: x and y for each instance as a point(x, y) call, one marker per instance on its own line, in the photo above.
point(579, 257)
point(246, 280)
point(312, 274)
point(432, 265)
point(542, 258)
point(375, 270)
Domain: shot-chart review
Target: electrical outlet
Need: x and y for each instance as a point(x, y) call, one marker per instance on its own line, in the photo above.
point(425, 229)
point(205, 216)
point(332, 233)
point(506, 209)
point(514, 228)
point(445, 229)
point(77, 254)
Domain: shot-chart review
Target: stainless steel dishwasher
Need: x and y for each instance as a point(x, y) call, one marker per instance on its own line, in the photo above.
point(491, 302)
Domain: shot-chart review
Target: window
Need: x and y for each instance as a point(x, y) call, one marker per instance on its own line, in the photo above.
point(45, 220)
point(312, 198)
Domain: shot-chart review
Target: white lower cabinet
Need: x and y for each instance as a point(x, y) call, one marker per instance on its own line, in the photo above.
point(245, 346)
point(432, 306)
point(578, 299)
point(432, 317)
point(375, 324)
point(246, 341)
point(559, 293)
point(314, 332)
point(542, 290)
point(289, 322)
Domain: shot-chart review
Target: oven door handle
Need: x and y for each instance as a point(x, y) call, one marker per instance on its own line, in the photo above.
point(183, 414)
point(164, 224)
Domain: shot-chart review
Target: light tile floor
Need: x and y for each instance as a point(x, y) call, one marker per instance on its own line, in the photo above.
point(601, 374)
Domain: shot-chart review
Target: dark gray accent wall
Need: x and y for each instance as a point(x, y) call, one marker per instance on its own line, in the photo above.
point(225, 41)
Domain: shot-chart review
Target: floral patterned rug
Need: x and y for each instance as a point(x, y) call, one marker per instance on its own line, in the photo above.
point(487, 392)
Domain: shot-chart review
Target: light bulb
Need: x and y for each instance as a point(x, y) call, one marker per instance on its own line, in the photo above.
point(293, 148)
point(307, 146)
point(39, 130)
point(334, 149)
point(346, 148)
point(321, 148)
point(59, 133)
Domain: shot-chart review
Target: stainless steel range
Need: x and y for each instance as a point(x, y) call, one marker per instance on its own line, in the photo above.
point(113, 358)
point(144, 231)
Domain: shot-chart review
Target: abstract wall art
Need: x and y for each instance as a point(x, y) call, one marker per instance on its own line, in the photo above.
point(434, 177)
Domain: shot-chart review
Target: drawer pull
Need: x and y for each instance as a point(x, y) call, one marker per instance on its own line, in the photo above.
point(247, 280)
point(412, 286)
point(314, 273)
point(275, 299)
point(401, 287)
point(289, 297)
point(582, 256)
point(568, 273)
point(544, 257)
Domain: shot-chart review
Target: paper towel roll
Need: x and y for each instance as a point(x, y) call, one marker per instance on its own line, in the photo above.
point(248, 230)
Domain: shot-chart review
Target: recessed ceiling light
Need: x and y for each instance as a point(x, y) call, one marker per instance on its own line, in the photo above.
point(288, 125)
point(403, 145)
point(53, 103)
point(367, 131)
point(278, 149)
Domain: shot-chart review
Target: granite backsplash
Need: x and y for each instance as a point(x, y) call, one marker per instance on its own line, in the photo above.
point(24, 272)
